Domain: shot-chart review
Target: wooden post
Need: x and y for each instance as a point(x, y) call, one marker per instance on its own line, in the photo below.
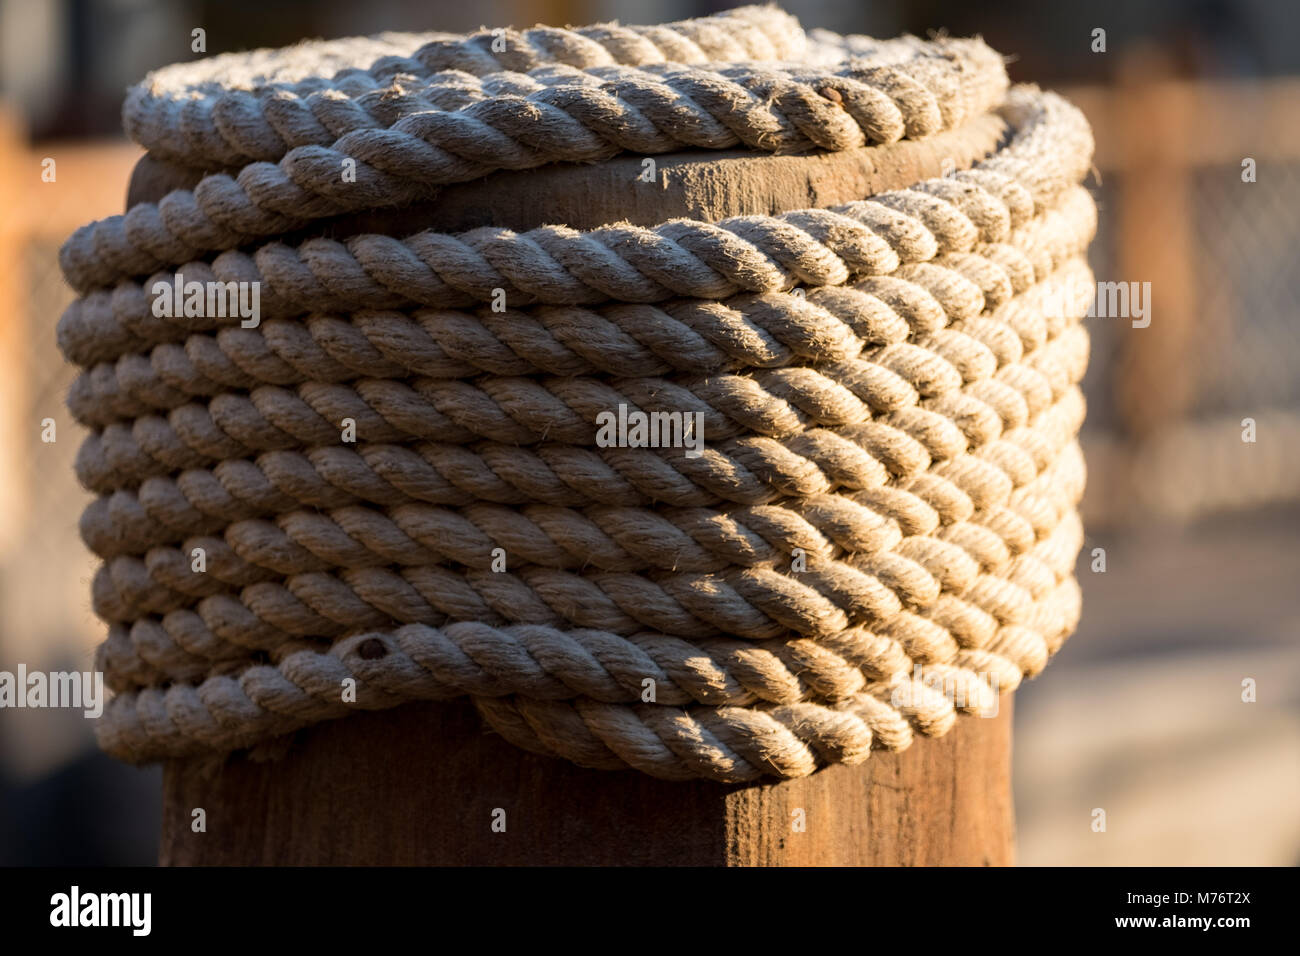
point(419, 784)
point(1156, 378)
point(17, 178)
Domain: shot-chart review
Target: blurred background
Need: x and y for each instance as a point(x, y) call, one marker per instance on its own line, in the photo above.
point(1141, 714)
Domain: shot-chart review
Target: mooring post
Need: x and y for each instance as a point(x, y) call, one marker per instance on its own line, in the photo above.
point(427, 784)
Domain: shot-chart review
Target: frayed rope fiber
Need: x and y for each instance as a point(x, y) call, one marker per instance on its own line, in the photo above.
point(877, 534)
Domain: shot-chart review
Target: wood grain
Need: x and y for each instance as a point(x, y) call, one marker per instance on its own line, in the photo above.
point(419, 785)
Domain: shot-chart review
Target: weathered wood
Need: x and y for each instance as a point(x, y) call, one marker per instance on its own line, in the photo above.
point(697, 184)
point(419, 784)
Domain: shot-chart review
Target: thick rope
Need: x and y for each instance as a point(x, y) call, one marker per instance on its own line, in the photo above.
point(621, 340)
point(233, 110)
point(958, 561)
point(878, 533)
point(757, 603)
point(632, 264)
point(770, 108)
point(780, 404)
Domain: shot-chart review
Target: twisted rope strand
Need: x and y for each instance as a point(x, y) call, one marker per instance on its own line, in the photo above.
point(134, 536)
point(986, 494)
point(514, 410)
point(432, 652)
point(758, 107)
point(201, 500)
point(988, 606)
point(1018, 539)
point(913, 90)
point(632, 264)
point(236, 108)
point(772, 330)
point(309, 600)
point(181, 642)
point(303, 689)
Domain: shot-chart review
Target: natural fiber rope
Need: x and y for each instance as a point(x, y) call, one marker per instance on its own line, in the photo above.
point(233, 110)
point(904, 426)
point(393, 344)
point(772, 107)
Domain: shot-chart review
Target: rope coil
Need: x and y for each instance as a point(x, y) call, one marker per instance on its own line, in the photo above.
point(879, 531)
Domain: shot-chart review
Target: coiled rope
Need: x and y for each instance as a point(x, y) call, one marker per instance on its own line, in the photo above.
point(880, 529)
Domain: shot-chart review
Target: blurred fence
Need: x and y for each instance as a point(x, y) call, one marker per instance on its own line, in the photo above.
point(1167, 402)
